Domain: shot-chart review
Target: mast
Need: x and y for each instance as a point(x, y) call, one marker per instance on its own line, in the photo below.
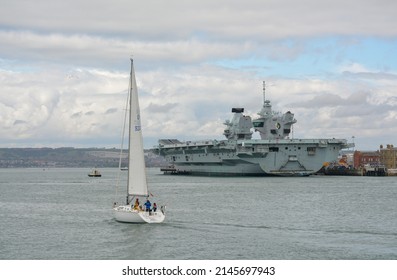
point(129, 128)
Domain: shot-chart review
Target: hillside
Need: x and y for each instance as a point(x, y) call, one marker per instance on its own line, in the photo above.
point(69, 157)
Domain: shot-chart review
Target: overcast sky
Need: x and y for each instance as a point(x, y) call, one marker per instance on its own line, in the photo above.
point(64, 68)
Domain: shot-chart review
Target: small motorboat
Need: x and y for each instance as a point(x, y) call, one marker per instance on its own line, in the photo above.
point(94, 173)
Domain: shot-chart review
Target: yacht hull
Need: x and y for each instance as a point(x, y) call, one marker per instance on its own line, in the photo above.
point(125, 214)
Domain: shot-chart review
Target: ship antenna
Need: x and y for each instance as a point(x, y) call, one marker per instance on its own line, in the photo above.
point(264, 92)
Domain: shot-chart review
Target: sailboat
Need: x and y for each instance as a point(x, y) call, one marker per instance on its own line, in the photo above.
point(137, 187)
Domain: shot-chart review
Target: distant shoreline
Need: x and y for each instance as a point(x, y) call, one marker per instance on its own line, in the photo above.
point(69, 157)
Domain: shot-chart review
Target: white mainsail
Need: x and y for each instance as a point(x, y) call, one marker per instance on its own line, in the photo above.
point(137, 184)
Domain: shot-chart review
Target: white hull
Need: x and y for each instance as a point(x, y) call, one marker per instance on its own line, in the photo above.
point(127, 215)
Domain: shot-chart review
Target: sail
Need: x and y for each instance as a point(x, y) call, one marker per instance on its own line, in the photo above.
point(137, 184)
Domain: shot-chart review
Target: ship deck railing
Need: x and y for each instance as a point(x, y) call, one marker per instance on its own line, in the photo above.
point(202, 143)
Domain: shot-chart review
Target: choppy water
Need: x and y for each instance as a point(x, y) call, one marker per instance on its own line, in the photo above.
point(64, 214)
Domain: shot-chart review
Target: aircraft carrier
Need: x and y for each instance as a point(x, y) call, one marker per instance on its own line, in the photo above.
point(275, 154)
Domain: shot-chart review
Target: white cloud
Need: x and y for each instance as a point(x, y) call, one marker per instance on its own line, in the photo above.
point(58, 107)
point(64, 67)
point(354, 67)
point(193, 105)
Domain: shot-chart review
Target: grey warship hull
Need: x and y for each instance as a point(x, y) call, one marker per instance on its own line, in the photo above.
point(285, 157)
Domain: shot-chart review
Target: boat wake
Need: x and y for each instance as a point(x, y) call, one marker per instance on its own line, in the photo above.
point(216, 226)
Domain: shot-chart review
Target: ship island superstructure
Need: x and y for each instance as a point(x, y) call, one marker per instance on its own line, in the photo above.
point(275, 154)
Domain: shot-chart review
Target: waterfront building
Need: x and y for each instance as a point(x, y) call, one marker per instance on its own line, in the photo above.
point(363, 158)
point(370, 163)
point(388, 157)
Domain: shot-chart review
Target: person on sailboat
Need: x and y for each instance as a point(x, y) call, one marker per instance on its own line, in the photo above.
point(136, 205)
point(148, 205)
point(154, 207)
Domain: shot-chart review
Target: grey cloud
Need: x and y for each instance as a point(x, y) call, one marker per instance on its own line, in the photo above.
point(392, 101)
point(369, 111)
point(76, 115)
point(17, 122)
point(371, 75)
point(358, 98)
point(206, 19)
point(111, 111)
point(321, 100)
point(161, 108)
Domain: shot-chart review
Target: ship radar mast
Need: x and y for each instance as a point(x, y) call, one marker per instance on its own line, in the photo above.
point(266, 110)
point(273, 125)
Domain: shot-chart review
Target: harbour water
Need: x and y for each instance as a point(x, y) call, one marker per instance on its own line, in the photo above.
point(64, 214)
